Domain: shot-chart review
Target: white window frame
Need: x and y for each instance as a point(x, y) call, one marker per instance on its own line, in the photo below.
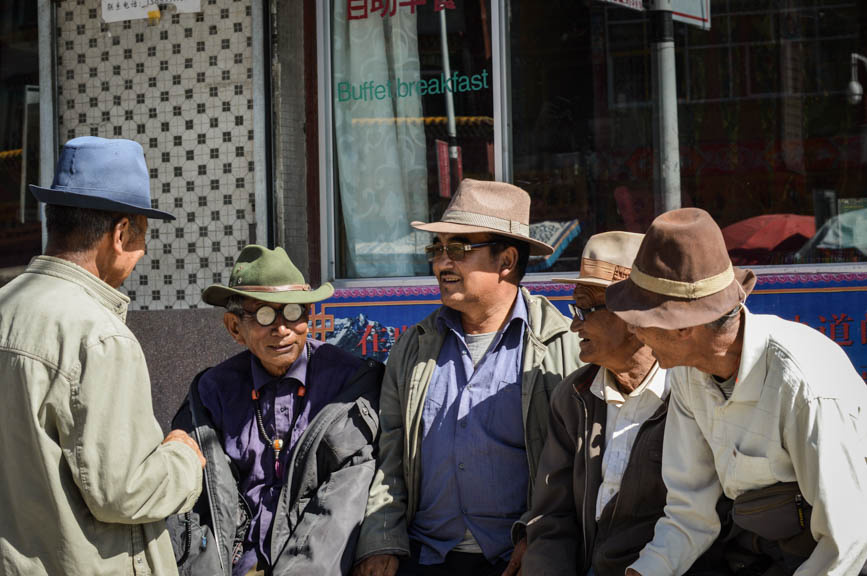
point(501, 85)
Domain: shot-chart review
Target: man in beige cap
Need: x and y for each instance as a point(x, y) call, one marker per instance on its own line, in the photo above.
point(594, 507)
point(464, 405)
point(769, 412)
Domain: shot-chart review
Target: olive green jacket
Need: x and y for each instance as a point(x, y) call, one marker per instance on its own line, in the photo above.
point(550, 353)
point(84, 483)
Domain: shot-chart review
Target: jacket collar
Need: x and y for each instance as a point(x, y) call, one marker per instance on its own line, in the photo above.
point(113, 300)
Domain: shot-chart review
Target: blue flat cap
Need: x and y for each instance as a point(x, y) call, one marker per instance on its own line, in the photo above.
point(101, 174)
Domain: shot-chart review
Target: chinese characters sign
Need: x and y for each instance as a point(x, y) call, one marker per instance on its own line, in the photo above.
point(361, 9)
point(118, 10)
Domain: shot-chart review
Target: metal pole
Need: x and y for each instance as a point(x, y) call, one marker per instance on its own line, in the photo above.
point(450, 106)
point(666, 177)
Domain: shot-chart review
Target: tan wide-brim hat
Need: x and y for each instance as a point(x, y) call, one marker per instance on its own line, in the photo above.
point(490, 207)
point(607, 258)
point(682, 275)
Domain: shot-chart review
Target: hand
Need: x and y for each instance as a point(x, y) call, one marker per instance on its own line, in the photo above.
point(514, 567)
point(377, 565)
point(632, 572)
point(181, 436)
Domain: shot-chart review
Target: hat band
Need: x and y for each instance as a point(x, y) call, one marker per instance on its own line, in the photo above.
point(493, 222)
point(283, 288)
point(677, 289)
point(603, 270)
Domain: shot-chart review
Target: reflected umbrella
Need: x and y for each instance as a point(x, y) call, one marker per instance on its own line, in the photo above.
point(767, 239)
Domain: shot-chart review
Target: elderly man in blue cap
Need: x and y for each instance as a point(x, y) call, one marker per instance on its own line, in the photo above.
point(87, 478)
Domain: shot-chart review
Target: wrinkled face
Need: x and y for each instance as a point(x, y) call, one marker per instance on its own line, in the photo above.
point(668, 349)
point(602, 333)
point(278, 345)
point(466, 283)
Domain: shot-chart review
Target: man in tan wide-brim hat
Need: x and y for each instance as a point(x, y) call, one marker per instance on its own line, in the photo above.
point(465, 397)
point(769, 412)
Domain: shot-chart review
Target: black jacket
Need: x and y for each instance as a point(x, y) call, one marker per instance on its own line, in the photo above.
point(322, 502)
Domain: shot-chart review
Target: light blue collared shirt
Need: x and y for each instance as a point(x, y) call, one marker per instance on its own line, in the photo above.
point(474, 471)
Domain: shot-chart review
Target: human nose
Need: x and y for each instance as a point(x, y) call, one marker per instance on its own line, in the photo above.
point(576, 323)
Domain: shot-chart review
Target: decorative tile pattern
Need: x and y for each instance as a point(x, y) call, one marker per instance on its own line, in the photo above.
point(181, 86)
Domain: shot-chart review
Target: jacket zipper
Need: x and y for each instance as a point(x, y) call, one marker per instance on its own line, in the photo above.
point(208, 487)
point(587, 560)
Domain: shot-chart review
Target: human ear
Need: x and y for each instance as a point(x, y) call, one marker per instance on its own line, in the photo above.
point(508, 260)
point(121, 234)
point(233, 326)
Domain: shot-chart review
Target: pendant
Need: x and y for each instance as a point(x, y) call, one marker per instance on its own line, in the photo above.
point(277, 445)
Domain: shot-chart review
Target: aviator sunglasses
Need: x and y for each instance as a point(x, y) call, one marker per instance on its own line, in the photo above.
point(455, 250)
point(265, 315)
point(581, 313)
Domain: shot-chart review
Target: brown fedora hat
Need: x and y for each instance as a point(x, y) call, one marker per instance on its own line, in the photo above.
point(493, 207)
point(607, 258)
point(682, 275)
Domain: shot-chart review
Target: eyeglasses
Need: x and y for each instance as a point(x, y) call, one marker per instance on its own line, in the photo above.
point(581, 313)
point(265, 315)
point(455, 250)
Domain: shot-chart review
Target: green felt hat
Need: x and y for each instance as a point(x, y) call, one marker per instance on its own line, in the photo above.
point(268, 276)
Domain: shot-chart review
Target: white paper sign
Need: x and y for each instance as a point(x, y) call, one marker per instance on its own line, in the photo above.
point(117, 10)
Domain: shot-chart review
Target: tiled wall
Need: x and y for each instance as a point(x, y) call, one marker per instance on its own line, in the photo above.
point(181, 86)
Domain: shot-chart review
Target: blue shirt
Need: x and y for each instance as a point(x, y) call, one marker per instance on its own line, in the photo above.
point(474, 471)
point(226, 394)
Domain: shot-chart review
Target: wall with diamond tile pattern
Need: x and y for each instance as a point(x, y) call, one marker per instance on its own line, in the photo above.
point(181, 86)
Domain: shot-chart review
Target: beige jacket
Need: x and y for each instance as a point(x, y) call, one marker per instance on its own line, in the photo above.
point(798, 412)
point(550, 352)
point(85, 483)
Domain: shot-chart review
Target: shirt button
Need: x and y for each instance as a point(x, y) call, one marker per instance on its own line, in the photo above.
point(283, 409)
point(461, 465)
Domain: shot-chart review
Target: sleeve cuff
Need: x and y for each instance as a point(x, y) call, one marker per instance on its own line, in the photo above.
point(650, 563)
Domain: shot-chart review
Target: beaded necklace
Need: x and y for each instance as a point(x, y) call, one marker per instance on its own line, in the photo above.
point(277, 444)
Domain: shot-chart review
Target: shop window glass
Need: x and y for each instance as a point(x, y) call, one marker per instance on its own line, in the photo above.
point(769, 144)
point(20, 230)
point(390, 84)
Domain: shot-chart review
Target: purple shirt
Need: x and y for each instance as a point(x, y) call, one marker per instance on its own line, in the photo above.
point(226, 393)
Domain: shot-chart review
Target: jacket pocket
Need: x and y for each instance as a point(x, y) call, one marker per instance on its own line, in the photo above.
point(195, 550)
point(746, 472)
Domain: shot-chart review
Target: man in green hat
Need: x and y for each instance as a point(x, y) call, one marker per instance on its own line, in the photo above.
point(288, 427)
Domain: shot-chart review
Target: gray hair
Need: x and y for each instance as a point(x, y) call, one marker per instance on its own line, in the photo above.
point(723, 323)
point(235, 305)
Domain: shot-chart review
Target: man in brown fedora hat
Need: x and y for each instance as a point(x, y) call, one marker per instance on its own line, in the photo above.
point(465, 398)
point(288, 425)
point(769, 412)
